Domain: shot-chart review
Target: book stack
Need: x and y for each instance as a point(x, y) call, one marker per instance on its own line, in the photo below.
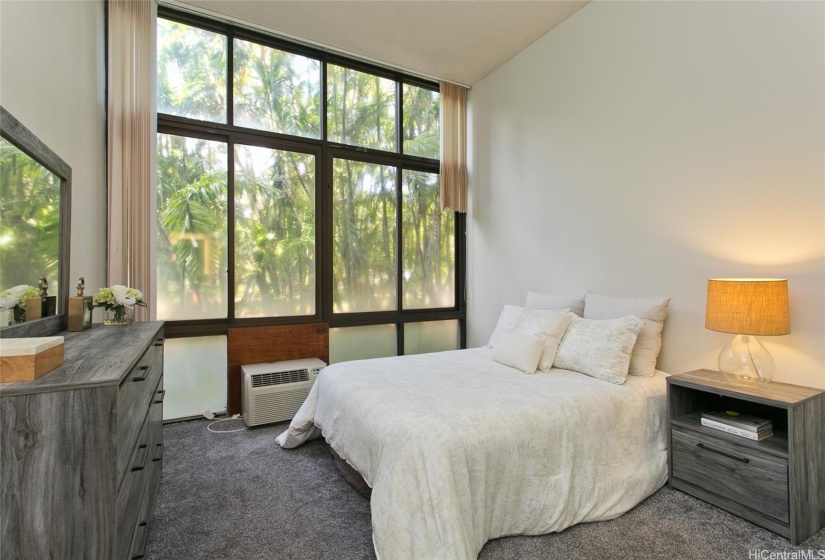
point(743, 425)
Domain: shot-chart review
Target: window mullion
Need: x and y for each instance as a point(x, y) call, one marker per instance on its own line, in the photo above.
point(230, 224)
point(399, 118)
point(230, 77)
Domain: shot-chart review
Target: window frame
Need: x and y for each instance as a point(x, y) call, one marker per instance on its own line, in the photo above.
point(325, 152)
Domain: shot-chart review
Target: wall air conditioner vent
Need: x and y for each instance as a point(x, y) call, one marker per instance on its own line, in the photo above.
point(280, 377)
point(274, 392)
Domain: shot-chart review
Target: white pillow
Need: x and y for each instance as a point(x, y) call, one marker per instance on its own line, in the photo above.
point(506, 321)
point(599, 348)
point(548, 323)
point(651, 311)
point(543, 301)
point(521, 351)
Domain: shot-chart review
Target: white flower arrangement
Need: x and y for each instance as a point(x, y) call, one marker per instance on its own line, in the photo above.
point(118, 296)
point(18, 296)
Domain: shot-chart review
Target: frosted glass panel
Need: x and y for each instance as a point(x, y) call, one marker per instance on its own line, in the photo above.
point(194, 376)
point(359, 343)
point(432, 336)
point(428, 253)
point(364, 240)
point(192, 228)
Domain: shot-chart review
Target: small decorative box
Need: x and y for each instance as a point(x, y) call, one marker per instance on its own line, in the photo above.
point(26, 359)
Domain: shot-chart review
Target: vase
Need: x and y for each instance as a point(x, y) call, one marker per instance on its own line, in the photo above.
point(19, 314)
point(118, 315)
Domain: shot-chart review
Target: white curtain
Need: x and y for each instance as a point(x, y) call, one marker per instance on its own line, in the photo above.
point(453, 147)
point(131, 147)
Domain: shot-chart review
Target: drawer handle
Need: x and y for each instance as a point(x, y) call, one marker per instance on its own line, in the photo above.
point(142, 464)
point(162, 394)
point(145, 371)
point(728, 455)
point(139, 550)
point(160, 341)
point(158, 453)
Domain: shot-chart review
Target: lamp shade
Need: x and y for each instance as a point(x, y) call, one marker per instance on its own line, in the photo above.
point(752, 306)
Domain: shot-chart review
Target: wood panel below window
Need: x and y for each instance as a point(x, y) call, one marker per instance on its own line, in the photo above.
point(271, 344)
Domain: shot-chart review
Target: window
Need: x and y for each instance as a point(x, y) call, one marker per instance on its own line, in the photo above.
point(421, 114)
point(276, 90)
point(361, 109)
point(191, 72)
point(364, 219)
point(429, 244)
point(274, 232)
point(294, 186)
point(192, 228)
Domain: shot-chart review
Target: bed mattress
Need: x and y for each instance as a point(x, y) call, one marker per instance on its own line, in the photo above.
point(459, 449)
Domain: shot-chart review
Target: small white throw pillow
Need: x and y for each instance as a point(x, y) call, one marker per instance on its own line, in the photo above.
point(652, 311)
point(548, 323)
point(599, 348)
point(544, 301)
point(520, 351)
point(506, 321)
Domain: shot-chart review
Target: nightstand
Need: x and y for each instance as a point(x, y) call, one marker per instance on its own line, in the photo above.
point(777, 483)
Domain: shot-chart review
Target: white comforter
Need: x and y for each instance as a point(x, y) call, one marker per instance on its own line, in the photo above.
point(459, 449)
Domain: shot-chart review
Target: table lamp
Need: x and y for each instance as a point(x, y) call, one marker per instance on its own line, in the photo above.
point(748, 307)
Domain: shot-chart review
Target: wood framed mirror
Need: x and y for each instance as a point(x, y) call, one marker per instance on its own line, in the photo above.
point(35, 221)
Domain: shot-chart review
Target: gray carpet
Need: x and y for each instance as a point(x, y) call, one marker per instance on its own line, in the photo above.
point(240, 496)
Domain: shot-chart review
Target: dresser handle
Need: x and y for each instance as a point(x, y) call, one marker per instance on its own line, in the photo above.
point(162, 394)
point(142, 464)
point(145, 370)
point(160, 341)
point(158, 453)
point(728, 455)
point(140, 550)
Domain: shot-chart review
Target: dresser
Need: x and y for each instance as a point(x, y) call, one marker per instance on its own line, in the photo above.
point(81, 448)
point(778, 482)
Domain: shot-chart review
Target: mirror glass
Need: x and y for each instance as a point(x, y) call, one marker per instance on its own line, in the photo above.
point(29, 220)
point(35, 197)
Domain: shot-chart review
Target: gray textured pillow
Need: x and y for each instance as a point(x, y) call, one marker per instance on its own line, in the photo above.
point(557, 303)
point(599, 348)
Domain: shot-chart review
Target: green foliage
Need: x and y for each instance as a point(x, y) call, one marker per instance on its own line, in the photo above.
point(421, 122)
point(360, 109)
point(191, 75)
point(276, 91)
point(29, 219)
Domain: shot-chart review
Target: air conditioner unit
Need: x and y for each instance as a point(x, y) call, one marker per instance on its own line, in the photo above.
point(274, 392)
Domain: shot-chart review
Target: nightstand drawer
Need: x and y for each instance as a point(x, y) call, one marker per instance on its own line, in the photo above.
point(751, 478)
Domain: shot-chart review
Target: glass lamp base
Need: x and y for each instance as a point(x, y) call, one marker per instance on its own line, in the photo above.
point(746, 358)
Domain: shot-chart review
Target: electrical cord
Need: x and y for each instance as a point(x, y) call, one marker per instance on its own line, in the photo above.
point(234, 417)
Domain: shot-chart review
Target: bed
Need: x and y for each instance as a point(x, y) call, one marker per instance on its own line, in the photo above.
point(459, 449)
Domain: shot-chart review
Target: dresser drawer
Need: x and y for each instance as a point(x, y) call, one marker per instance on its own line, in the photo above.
point(156, 423)
point(131, 491)
point(144, 519)
point(749, 477)
point(133, 400)
point(141, 518)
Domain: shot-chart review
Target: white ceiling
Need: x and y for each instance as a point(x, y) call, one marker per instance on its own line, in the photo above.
point(460, 41)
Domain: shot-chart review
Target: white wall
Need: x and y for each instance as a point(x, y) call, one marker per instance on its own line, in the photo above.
point(52, 80)
point(641, 148)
